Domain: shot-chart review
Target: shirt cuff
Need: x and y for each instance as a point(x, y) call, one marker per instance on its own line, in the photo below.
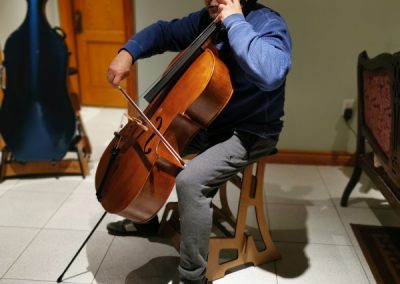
point(134, 49)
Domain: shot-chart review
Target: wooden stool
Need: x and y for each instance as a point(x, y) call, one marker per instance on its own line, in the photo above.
point(236, 240)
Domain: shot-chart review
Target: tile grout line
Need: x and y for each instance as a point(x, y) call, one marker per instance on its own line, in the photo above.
point(344, 226)
point(36, 235)
point(21, 253)
point(102, 261)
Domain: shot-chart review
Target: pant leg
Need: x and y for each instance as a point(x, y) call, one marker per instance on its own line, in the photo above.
point(197, 184)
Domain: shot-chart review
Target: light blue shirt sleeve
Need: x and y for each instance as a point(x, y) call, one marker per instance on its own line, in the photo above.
point(264, 54)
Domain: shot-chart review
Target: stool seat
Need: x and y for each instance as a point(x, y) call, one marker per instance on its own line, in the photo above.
point(235, 243)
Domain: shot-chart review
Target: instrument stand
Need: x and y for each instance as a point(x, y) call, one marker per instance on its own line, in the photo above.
point(237, 244)
point(67, 166)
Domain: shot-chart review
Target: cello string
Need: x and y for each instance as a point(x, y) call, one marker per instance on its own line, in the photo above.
point(119, 129)
point(167, 71)
point(155, 130)
point(181, 64)
point(170, 73)
point(189, 54)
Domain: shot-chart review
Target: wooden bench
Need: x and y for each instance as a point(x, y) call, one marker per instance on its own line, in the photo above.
point(378, 126)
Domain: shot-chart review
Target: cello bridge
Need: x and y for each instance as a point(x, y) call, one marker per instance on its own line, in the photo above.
point(138, 121)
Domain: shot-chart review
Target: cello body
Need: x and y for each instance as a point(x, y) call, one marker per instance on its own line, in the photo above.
point(141, 176)
point(37, 119)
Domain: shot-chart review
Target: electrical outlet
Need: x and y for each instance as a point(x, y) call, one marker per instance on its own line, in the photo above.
point(347, 104)
point(347, 110)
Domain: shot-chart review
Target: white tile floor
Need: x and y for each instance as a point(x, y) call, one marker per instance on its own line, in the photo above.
point(43, 221)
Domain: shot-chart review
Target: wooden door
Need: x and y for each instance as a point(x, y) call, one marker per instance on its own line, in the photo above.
point(99, 28)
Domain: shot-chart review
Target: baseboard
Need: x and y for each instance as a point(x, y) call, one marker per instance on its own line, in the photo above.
point(312, 158)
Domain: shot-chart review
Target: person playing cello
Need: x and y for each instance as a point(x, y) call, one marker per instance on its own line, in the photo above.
point(257, 52)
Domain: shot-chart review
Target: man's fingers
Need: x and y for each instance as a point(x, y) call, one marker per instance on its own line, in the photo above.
point(113, 79)
point(119, 68)
point(116, 81)
point(110, 76)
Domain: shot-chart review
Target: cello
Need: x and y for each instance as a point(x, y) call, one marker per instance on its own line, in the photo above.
point(137, 170)
point(37, 119)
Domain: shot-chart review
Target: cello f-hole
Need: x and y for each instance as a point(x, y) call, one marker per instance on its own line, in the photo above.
point(146, 149)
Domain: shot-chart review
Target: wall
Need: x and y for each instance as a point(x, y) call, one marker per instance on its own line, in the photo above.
point(327, 38)
point(13, 12)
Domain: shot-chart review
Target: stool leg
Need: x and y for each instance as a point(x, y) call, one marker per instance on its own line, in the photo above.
point(247, 252)
point(270, 252)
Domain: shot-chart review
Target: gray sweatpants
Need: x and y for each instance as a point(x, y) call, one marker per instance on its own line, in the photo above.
point(220, 157)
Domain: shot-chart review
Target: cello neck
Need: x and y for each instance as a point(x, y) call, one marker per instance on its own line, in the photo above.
point(190, 54)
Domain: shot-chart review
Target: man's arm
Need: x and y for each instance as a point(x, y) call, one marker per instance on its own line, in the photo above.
point(155, 39)
point(264, 54)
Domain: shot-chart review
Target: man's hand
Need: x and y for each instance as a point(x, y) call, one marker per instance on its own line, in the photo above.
point(227, 8)
point(119, 68)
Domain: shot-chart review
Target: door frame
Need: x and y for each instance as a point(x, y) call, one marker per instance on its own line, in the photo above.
point(65, 10)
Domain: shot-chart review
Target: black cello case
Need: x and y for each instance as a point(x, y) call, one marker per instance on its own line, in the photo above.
point(37, 119)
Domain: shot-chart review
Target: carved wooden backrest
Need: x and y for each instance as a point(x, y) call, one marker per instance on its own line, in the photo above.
point(378, 95)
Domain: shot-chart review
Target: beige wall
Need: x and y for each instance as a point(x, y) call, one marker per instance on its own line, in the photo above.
point(327, 38)
point(13, 12)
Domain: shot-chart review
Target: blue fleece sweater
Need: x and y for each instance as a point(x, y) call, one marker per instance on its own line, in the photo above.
point(257, 54)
